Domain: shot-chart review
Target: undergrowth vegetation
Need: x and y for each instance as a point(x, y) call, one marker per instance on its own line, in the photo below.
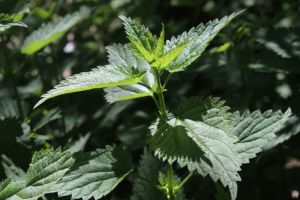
point(179, 119)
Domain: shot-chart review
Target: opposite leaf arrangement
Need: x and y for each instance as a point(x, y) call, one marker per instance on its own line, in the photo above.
point(202, 134)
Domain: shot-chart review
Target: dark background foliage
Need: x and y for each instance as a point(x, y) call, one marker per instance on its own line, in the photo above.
point(254, 63)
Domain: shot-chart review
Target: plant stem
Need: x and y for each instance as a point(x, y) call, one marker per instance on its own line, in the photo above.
point(167, 80)
point(171, 194)
point(156, 102)
point(159, 92)
point(8, 70)
point(185, 180)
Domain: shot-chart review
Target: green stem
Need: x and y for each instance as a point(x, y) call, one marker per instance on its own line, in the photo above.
point(184, 180)
point(171, 194)
point(159, 92)
point(167, 80)
point(156, 102)
point(8, 70)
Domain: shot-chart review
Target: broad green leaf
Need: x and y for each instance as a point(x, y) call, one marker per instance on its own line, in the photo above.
point(255, 130)
point(100, 77)
point(212, 110)
point(219, 149)
point(8, 21)
point(200, 147)
point(95, 174)
point(199, 38)
point(121, 55)
point(171, 142)
point(168, 57)
point(200, 139)
point(46, 169)
point(51, 31)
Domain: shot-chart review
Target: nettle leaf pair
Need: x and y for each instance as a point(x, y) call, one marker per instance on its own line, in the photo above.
point(201, 134)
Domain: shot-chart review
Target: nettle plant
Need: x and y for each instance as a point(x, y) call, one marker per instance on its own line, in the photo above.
point(202, 135)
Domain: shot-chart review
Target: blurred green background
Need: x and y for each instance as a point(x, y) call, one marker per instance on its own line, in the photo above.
point(254, 63)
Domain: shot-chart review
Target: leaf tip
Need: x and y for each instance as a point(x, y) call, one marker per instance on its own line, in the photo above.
point(41, 101)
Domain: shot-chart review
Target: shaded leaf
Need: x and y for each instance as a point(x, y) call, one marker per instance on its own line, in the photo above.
point(46, 168)
point(95, 174)
point(51, 31)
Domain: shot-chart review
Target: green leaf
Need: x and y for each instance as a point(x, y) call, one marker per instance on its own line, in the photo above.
point(280, 40)
point(159, 47)
point(10, 169)
point(281, 138)
point(141, 52)
point(199, 38)
point(142, 40)
point(8, 21)
point(48, 117)
point(126, 92)
point(46, 168)
point(221, 193)
point(212, 110)
point(8, 109)
point(171, 142)
point(79, 144)
point(100, 77)
point(51, 31)
point(95, 174)
point(219, 149)
point(121, 55)
point(204, 143)
point(256, 129)
point(168, 57)
point(10, 187)
point(145, 183)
